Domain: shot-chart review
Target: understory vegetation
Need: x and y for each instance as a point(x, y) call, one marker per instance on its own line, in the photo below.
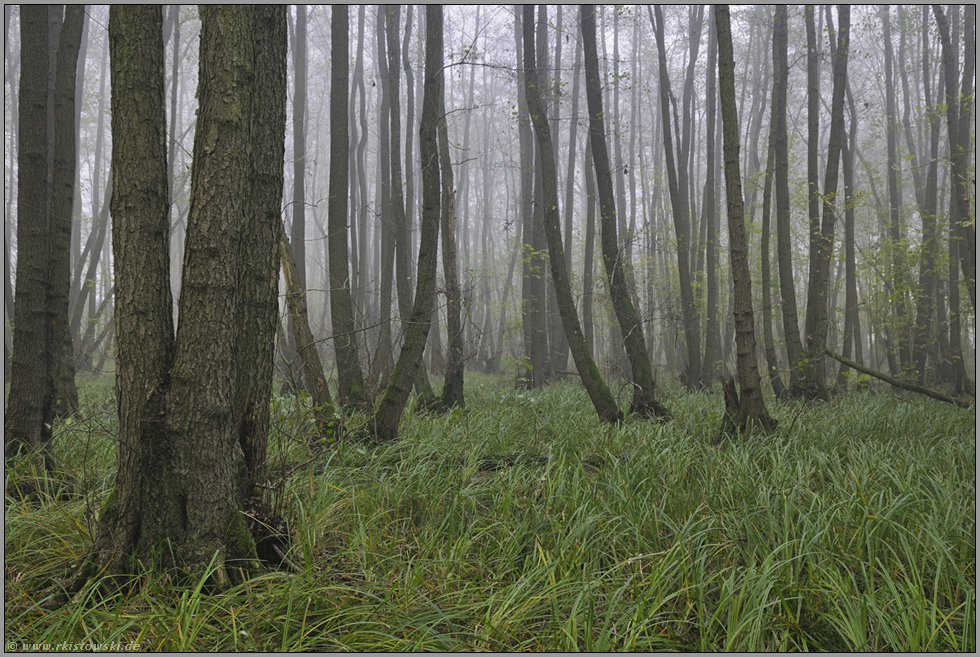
point(851, 528)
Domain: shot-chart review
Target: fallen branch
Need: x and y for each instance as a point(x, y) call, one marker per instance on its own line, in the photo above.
point(898, 383)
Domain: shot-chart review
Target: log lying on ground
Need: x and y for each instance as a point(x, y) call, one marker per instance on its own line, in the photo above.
point(898, 383)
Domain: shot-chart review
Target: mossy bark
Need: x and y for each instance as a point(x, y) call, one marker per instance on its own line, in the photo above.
point(183, 474)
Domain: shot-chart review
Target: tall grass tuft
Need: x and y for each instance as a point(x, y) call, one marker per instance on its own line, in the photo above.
point(852, 528)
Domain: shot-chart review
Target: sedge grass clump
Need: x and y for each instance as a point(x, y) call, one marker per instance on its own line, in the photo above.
point(850, 528)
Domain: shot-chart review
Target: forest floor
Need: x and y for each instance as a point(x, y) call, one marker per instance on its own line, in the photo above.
point(851, 528)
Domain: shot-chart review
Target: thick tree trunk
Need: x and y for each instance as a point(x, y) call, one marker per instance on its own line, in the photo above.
point(259, 268)
point(350, 380)
point(751, 410)
point(184, 458)
point(389, 410)
point(644, 388)
point(602, 398)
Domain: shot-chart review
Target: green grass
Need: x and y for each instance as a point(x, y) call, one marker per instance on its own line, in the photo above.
point(852, 528)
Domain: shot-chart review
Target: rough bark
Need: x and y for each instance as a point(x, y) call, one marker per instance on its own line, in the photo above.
point(259, 268)
point(602, 398)
point(751, 412)
point(183, 402)
point(142, 314)
point(644, 388)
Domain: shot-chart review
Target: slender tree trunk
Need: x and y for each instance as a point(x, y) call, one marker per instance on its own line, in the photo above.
point(958, 111)
point(383, 357)
point(751, 410)
point(787, 282)
point(297, 233)
point(898, 292)
point(62, 203)
point(644, 388)
point(682, 224)
point(712, 338)
point(311, 367)
point(452, 390)
point(531, 372)
point(926, 305)
point(772, 360)
point(350, 380)
point(392, 403)
point(823, 240)
point(46, 172)
point(602, 398)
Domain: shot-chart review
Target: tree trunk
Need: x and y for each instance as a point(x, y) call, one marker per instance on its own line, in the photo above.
point(350, 380)
point(602, 398)
point(65, 159)
point(751, 410)
point(383, 357)
point(682, 223)
point(898, 291)
point(588, 267)
point(644, 388)
point(531, 372)
point(772, 360)
point(712, 338)
point(392, 403)
point(46, 173)
point(822, 242)
point(297, 233)
point(958, 111)
point(311, 367)
point(259, 267)
point(787, 282)
point(452, 390)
